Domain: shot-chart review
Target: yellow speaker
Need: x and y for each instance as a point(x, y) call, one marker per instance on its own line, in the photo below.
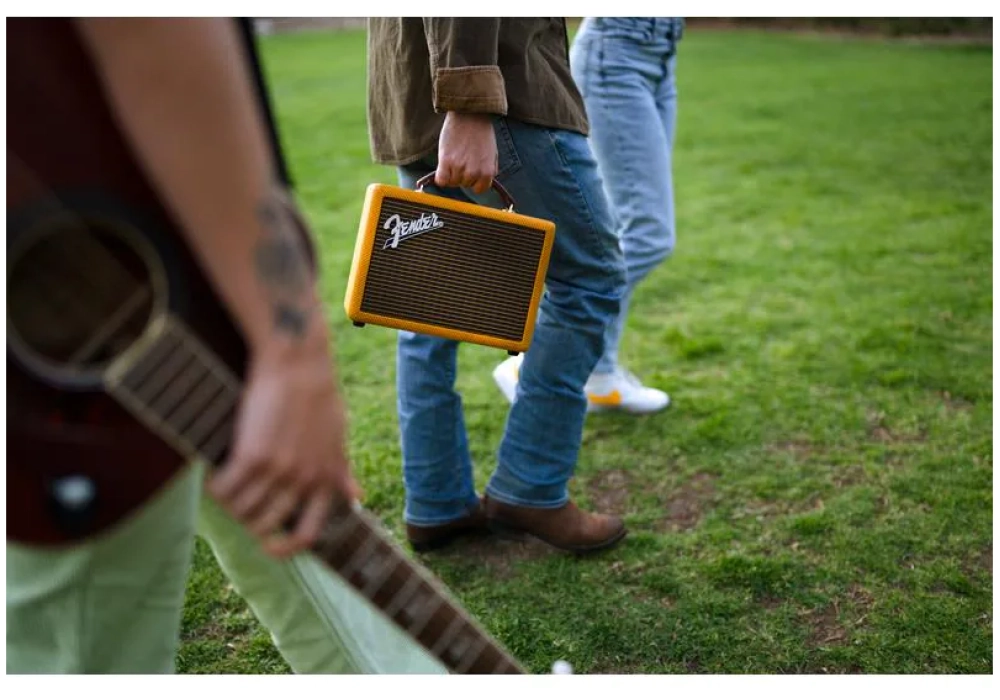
point(451, 269)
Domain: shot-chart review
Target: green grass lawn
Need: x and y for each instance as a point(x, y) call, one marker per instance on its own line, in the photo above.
point(819, 496)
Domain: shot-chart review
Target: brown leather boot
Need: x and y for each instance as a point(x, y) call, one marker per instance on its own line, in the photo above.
point(566, 527)
point(424, 538)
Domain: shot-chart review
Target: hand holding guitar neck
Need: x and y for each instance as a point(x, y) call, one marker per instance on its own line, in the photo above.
point(289, 453)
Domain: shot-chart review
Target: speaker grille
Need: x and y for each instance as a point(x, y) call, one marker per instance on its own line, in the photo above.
point(470, 274)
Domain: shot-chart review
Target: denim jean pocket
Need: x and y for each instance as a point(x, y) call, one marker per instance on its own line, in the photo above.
point(508, 161)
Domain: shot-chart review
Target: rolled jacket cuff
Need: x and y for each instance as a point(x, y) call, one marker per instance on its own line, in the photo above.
point(470, 89)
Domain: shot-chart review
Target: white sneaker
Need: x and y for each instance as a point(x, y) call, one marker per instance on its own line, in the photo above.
point(505, 375)
point(620, 390)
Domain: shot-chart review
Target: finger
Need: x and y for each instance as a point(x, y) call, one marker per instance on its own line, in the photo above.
point(468, 178)
point(307, 530)
point(278, 508)
point(444, 176)
point(482, 184)
point(231, 478)
point(347, 487)
point(246, 503)
point(341, 479)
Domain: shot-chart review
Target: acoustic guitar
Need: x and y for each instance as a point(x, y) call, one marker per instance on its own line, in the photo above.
point(122, 364)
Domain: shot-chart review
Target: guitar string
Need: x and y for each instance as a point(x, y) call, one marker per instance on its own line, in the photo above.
point(417, 625)
point(472, 658)
point(230, 387)
point(181, 390)
point(442, 599)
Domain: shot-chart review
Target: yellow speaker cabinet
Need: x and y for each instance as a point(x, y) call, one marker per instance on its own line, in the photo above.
point(447, 268)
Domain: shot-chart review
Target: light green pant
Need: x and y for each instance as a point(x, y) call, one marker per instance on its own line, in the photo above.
point(113, 605)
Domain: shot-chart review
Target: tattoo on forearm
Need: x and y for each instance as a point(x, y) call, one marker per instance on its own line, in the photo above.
point(281, 265)
point(291, 319)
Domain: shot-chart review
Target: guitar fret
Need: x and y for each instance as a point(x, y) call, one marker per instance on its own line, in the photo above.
point(216, 446)
point(159, 378)
point(377, 579)
point(427, 611)
point(189, 411)
point(138, 373)
point(402, 597)
point(334, 533)
point(222, 373)
point(472, 658)
point(210, 419)
point(178, 391)
point(449, 636)
point(360, 556)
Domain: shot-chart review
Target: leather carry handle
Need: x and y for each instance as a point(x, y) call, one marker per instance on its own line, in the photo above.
point(508, 201)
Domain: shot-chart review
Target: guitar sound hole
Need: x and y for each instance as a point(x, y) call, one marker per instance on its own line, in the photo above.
point(80, 292)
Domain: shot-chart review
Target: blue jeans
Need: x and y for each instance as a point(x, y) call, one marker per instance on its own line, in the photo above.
point(624, 68)
point(551, 174)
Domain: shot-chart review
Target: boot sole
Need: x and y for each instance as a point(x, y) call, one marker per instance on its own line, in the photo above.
point(512, 532)
point(449, 538)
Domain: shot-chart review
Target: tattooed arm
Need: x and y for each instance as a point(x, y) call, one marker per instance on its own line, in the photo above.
point(183, 96)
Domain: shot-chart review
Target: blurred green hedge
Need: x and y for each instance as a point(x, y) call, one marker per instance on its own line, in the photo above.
point(894, 26)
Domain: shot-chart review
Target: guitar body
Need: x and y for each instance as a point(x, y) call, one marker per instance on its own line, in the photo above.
point(67, 157)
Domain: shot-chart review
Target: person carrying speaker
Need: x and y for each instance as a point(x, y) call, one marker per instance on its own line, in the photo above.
point(626, 70)
point(473, 100)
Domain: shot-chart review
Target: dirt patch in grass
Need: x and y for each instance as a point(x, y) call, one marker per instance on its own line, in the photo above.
point(849, 476)
point(765, 509)
point(609, 490)
point(827, 626)
point(979, 562)
point(861, 598)
point(879, 431)
point(956, 403)
point(986, 558)
point(800, 449)
point(499, 555)
point(825, 629)
point(770, 602)
point(688, 503)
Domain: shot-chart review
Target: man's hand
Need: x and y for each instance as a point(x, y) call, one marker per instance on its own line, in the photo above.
point(467, 152)
point(289, 457)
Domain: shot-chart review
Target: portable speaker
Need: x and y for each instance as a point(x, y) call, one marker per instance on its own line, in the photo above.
point(451, 269)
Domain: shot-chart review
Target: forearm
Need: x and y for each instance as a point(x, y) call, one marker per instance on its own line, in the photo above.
point(182, 94)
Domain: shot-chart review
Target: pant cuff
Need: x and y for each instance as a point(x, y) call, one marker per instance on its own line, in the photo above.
point(431, 513)
point(508, 490)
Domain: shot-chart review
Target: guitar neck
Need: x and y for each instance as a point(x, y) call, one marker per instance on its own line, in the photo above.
point(175, 385)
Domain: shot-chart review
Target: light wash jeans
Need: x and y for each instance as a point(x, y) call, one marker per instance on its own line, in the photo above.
point(552, 175)
point(625, 70)
point(113, 604)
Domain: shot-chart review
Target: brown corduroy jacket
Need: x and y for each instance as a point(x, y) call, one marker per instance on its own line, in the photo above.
point(420, 68)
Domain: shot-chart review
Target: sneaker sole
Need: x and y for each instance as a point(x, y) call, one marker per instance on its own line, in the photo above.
point(604, 408)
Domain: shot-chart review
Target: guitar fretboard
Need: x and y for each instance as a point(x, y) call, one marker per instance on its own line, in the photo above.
point(174, 384)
